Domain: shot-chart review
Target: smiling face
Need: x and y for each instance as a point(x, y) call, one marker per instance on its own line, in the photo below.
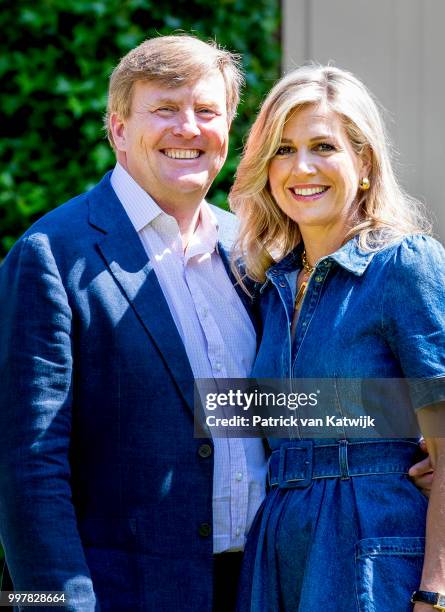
point(314, 176)
point(175, 140)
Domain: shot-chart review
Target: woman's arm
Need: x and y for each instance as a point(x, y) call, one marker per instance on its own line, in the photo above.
point(432, 419)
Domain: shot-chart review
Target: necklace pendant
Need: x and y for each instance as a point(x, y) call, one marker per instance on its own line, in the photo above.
point(300, 295)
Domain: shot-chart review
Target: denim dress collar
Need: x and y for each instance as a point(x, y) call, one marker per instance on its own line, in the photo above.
point(350, 257)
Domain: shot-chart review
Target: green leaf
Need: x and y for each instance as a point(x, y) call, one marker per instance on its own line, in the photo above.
point(56, 57)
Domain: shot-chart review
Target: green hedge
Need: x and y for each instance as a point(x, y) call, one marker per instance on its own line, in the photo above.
point(55, 60)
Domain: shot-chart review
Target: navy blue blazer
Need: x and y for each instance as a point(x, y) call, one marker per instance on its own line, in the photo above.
point(104, 492)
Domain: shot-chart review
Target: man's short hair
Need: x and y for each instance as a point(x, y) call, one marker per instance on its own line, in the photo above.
point(172, 61)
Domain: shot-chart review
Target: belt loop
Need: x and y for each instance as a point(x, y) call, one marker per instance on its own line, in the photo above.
point(343, 459)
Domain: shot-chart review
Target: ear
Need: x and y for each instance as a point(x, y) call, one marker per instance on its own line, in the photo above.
point(366, 162)
point(117, 127)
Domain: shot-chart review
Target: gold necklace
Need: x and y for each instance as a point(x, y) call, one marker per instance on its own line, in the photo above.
point(309, 269)
point(307, 274)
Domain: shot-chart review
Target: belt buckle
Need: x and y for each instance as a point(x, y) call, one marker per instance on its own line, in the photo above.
point(299, 476)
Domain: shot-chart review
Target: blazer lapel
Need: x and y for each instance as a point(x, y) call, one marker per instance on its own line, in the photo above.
point(131, 269)
point(227, 230)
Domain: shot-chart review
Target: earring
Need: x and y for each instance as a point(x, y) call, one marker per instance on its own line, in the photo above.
point(364, 183)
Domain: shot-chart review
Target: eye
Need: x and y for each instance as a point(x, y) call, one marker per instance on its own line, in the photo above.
point(164, 110)
point(206, 112)
point(324, 147)
point(284, 150)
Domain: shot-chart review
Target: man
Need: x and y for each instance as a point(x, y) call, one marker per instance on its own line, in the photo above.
point(111, 305)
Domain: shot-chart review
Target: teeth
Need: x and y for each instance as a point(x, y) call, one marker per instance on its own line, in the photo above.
point(310, 191)
point(182, 153)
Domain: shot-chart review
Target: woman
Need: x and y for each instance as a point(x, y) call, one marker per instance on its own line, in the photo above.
point(358, 292)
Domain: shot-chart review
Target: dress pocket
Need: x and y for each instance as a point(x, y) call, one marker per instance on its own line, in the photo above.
point(387, 571)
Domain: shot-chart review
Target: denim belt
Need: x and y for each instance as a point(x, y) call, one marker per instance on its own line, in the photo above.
point(296, 464)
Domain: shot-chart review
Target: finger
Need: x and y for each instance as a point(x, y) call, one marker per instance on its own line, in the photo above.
point(420, 468)
point(424, 483)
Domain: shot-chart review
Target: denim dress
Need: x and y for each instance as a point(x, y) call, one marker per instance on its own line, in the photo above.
point(342, 527)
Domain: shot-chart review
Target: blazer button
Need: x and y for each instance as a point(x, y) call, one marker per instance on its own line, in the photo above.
point(204, 530)
point(204, 451)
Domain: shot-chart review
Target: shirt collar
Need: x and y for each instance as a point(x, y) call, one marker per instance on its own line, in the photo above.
point(143, 210)
point(205, 237)
point(350, 257)
point(139, 206)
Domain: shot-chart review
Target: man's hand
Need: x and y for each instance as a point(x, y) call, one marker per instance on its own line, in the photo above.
point(422, 472)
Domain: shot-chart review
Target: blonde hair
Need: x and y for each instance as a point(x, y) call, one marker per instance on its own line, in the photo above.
point(384, 212)
point(172, 61)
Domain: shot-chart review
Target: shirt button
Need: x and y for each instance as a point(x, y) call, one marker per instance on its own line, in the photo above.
point(237, 531)
point(204, 530)
point(218, 366)
point(239, 476)
point(204, 451)
point(204, 312)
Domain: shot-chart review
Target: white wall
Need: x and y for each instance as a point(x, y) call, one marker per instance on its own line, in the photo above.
point(397, 47)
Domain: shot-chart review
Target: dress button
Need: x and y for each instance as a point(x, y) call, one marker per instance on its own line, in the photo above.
point(204, 530)
point(204, 451)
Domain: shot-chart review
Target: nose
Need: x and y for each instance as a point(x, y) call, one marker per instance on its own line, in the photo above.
point(186, 124)
point(304, 163)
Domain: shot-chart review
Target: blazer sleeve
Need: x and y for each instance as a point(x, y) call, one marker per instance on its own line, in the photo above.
point(37, 519)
